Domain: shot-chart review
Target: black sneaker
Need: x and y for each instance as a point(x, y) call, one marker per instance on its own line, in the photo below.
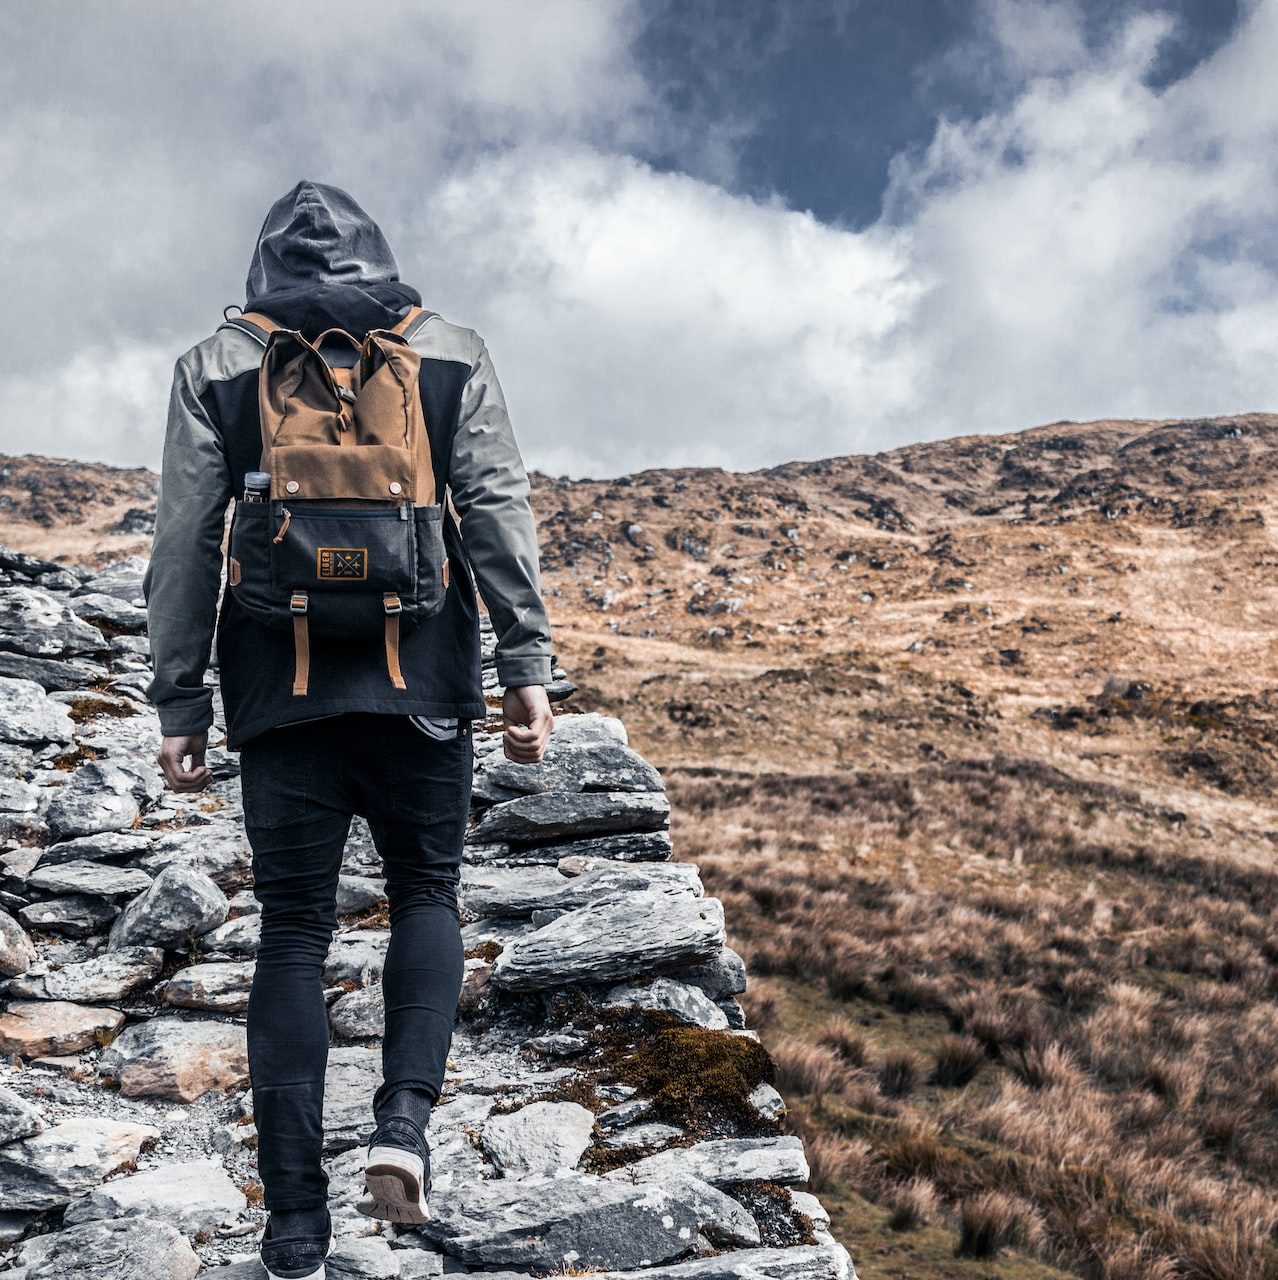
point(397, 1173)
point(297, 1257)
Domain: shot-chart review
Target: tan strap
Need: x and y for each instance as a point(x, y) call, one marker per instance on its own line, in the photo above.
point(257, 318)
point(288, 519)
point(391, 603)
point(301, 645)
point(413, 313)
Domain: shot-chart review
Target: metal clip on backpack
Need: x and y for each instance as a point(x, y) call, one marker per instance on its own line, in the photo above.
point(350, 542)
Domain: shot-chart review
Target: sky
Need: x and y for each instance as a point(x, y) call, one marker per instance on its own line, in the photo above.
point(691, 232)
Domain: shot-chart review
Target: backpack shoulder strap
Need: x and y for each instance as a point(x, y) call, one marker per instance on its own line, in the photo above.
point(257, 326)
point(409, 325)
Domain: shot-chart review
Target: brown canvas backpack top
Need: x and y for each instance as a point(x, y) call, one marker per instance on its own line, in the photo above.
point(347, 540)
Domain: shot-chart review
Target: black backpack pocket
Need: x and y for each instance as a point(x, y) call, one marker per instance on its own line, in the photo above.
point(432, 556)
point(249, 577)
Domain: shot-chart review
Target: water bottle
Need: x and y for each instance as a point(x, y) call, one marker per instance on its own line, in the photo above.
point(257, 486)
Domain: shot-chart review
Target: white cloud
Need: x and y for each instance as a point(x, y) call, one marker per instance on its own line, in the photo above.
point(1094, 247)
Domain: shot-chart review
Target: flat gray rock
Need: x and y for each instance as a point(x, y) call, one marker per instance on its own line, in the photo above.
point(217, 851)
point(357, 956)
point(61, 1163)
point(178, 1058)
point(98, 879)
point(123, 1249)
point(17, 796)
point(122, 580)
point(539, 1137)
point(34, 1027)
point(97, 607)
point(101, 796)
point(78, 915)
point(219, 985)
point(562, 815)
point(353, 1075)
point(99, 846)
point(724, 1161)
point(177, 903)
point(39, 624)
point(651, 1134)
point(29, 715)
point(799, 1262)
point(501, 892)
point(595, 767)
point(723, 975)
point(359, 1014)
point(547, 1221)
point(238, 937)
point(626, 846)
point(112, 975)
point(356, 894)
point(51, 673)
point(620, 937)
point(192, 1195)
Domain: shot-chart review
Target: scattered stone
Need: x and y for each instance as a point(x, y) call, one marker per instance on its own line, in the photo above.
point(98, 607)
point(557, 1045)
point(194, 1195)
point(103, 978)
point(538, 1138)
point(654, 1134)
point(357, 956)
point(767, 1101)
point(59, 1164)
point(170, 1057)
point(723, 975)
point(619, 937)
point(28, 715)
point(356, 894)
point(122, 580)
point(799, 1262)
point(17, 796)
point(99, 846)
point(51, 673)
point(360, 1013)
point(30, 1027)
point(238, 937)
point(99, 797)
point(179, 902)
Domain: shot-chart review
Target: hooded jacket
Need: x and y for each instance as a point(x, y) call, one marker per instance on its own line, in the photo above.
point(321, 261)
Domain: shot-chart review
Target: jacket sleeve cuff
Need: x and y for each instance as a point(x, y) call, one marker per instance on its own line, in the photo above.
point(183, 720)
point(513, 673)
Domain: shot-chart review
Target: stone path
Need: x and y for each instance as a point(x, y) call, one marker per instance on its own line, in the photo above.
point(605, 1109)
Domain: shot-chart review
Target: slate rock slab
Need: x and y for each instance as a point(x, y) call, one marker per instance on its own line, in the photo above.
point(170, 1057)
point(99, 797)
point(38, 623)
point(123, 579)
point(98, 879)
point(122, 1249)
point(620, 937)
point(62, 1162)
point(192, 1195)
point(29, 715)
point(561, 815)
point(497, 892)
point(353, 1074)
point(724, 1161)
point(359, 1014)
point(102, 846)
point(18, 1118)
point(597, 767)
point(689, 1004)
point(51, 673)
point(179, 901)
point(78, 915)
point(112, 975)
point(547, 1221)
point(539, 1137)
point(96, 607)
point(33, 1027)
point(799, 1262)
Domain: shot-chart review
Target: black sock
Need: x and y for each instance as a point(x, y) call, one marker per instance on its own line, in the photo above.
point(299, 1222)
point(409, 1101)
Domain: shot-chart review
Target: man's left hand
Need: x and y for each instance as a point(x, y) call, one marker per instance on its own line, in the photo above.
point(172, 759)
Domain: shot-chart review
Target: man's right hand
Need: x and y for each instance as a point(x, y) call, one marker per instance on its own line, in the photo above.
point(172, 759)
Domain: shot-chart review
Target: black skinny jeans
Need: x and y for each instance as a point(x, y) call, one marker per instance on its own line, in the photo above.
point(302, 784)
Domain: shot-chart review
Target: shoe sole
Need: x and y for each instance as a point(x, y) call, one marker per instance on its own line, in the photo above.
point(394, 1181)
point(313, 1275)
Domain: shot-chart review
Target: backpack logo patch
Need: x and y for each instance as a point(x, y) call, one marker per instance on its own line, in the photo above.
point(348, 564)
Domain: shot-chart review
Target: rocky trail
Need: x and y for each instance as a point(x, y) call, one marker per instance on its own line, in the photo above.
point(605, 1109)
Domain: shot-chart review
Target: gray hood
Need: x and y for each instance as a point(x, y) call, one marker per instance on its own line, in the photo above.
point(318, 235)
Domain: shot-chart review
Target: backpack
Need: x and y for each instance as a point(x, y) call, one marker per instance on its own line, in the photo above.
point(348, 540)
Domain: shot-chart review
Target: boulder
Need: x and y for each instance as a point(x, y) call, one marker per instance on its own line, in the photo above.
point(618, 937)
point(60, 1163)
point(18, 1118)
point(177, 903)
point(28, 715)
point(219, 985)
point(359, 1014)
point(169, 1057)
point(17, 952)
point(101, 796)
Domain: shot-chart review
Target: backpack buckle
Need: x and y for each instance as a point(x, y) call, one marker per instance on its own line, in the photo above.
point(298, 602)
point(391, 603)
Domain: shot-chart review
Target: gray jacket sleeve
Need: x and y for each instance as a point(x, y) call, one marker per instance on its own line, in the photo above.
point(490, 491)
point(183, 579)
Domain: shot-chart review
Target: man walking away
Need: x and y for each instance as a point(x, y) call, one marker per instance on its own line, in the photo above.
point(323, 733)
